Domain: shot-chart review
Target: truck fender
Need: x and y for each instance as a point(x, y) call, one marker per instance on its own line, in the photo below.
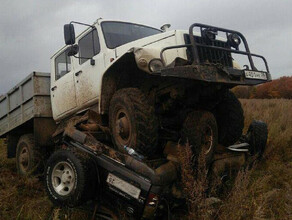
point(116, 78)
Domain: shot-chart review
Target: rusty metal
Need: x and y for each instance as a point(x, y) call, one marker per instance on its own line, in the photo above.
point(89, 127)
point(43, 130)
point(92, 123)
point(163, 174)
point(70, 122)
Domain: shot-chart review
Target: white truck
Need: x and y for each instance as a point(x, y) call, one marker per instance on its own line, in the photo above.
point(127, 84)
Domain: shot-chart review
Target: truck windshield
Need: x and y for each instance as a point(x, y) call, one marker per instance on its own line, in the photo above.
point(119, 33)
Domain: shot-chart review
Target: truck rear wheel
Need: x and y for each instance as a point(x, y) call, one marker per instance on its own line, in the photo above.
point(230, 119)
point(133, 122)
point(28, 157)
point(69, 178)
point(200, 130)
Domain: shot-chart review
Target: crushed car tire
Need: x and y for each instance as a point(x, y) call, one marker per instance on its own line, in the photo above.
point(69, 178)
point(257, 135)
point(230, 119)
point(133, 122)
point(201, 132)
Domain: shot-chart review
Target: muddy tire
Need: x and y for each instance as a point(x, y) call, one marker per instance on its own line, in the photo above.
point(133, 122)
point(201, 132)
point(230, 119)
point(28, 156)
point(257, 135)
point(69, 178)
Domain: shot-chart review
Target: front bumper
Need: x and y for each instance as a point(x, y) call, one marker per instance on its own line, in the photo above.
point(205, 68)
point(213, 74)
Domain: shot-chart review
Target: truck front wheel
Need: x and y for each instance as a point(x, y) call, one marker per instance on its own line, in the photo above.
point(133, 122)
point(28, 157)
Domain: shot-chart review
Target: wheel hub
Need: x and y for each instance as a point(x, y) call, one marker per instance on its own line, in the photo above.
point(207, 140)
point(63, 178)
point(123, 127)
point(24, 159)
point(123, 124)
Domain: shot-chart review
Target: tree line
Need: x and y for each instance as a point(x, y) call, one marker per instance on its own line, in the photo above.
point(278, 88)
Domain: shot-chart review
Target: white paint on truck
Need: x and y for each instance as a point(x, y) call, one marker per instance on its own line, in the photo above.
point(81, 86)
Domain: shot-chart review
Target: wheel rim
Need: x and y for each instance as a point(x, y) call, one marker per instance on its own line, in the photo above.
point(24, 159)
point(123, 127)
point(207, 140)
point(63, 178)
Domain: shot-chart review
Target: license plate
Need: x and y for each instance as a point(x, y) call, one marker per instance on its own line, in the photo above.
point(123, 186)
point(255, 75)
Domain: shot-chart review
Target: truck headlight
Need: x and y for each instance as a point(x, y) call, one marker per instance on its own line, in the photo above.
point(155, 65)
point(209, 34)
point(234, 40)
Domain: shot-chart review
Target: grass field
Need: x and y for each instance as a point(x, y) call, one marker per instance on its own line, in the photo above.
point(265, 192)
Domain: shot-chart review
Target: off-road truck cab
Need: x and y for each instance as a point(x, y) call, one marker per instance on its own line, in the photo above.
point(145, 82)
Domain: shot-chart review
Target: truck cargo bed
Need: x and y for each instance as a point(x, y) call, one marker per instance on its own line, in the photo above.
point(27, 100)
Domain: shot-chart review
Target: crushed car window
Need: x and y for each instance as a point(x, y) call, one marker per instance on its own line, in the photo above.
point(119, 33)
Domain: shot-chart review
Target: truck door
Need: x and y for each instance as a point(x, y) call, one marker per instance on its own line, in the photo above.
point(62, 86)
point(87, 75)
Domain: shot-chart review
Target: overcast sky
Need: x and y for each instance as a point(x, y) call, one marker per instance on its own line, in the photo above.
point(32, 30)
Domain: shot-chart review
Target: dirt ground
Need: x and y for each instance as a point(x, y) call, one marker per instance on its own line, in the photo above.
point(265, 192)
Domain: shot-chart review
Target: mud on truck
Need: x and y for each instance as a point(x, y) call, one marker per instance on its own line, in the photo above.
point(101, 124)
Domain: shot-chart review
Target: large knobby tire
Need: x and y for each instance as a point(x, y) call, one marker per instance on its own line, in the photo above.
point(133, 122)
point(70, 178)
point(28, 156)
point(230, 119)
point(201, 132)
point(257, 135)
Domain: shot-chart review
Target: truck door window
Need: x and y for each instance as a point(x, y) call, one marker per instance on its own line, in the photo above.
point(88, 46)
point(62, 64)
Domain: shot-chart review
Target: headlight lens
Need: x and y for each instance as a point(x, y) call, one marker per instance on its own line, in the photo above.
point(234, 40)
point(209, 34)
point(155, 65)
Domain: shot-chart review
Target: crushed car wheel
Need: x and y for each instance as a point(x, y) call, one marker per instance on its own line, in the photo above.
point(230, 119)
point(133, 122)
point(200, 130)
point(28, 156)
point(69, 178)
point(257, 136)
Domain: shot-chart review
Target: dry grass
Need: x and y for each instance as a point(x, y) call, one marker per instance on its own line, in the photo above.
point(196, 196)
point(264, 192)
point(25, 198)
point(20, 198)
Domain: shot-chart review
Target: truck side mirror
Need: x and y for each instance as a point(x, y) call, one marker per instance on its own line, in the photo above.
point(69, 34)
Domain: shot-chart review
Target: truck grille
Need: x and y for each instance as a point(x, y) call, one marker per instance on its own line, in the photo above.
point(208, 55)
